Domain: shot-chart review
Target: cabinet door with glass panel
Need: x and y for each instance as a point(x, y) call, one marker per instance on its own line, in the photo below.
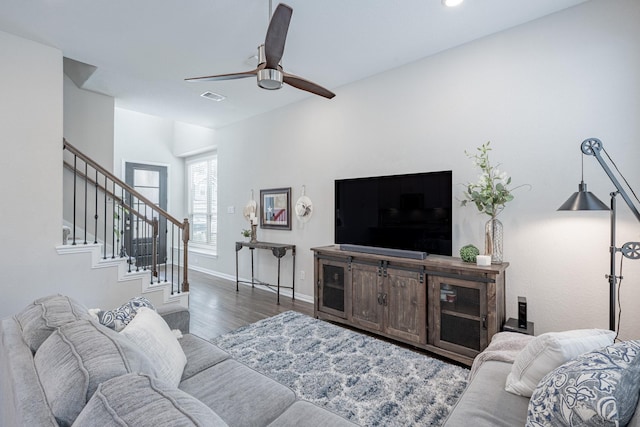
point(458, 315)
point(332, 289)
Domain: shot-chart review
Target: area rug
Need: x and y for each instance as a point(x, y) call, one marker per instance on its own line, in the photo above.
point(366, 380)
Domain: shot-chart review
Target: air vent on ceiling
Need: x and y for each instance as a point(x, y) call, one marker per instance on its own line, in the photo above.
point(213, 96)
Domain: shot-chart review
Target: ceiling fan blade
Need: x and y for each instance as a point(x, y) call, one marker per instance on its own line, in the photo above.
point(302, 84)
point(231, 76)
point(277, 35)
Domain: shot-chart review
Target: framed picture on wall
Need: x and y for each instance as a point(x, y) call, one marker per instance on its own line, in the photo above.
point(275, 208)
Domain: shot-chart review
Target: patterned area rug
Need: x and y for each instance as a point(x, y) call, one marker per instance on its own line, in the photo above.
point(366, 380)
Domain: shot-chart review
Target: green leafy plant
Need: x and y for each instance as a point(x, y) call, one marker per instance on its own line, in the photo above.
point(491, 192)
point(246, 232)
point(468, 253)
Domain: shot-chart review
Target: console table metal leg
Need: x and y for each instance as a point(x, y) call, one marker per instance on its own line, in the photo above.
point(293, 276)
point(237, 279)
point(252, 275)
point(278, 280)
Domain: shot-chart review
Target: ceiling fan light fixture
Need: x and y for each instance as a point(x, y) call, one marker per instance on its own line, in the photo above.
point(452, 3)
point(269, 78)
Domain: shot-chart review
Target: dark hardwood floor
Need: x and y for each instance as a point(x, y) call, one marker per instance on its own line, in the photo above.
point(216, 307)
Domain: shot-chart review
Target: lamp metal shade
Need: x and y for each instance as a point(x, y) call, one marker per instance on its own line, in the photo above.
point(583, 200)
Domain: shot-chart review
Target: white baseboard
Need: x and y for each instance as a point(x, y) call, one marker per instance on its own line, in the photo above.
point(283, 292)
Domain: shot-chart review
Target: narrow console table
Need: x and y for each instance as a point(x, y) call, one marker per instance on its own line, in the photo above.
point(279, 250)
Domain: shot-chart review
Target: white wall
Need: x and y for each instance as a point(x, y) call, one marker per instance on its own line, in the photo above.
point(31, 107)
point(88, 126)
point(31, 111)
point(142, 138)
point(536, 91)
point(88, 122)
point(189, 140)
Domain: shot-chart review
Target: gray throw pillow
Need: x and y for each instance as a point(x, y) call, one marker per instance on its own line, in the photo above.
point(142, 401)
point(40, 318)
point(79, 356)
point(599, 388)
point(120, 317)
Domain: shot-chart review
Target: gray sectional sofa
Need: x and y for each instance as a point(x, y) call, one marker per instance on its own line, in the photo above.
point(486, 403)
point(60, 367)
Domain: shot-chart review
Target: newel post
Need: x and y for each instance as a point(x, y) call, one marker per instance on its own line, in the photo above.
point(185, 241)
point(154, 248)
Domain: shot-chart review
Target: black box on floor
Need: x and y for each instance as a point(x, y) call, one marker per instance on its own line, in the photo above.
point(512, 326)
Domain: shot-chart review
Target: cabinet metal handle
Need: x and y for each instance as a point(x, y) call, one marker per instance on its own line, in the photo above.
point(382, 299)
point(484, 322)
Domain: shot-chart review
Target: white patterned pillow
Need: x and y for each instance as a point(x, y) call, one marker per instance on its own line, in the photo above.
point(599, 388)
point(120, 317)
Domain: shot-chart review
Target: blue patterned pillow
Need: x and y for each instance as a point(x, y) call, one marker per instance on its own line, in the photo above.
point(599, 388)
point(120, 317)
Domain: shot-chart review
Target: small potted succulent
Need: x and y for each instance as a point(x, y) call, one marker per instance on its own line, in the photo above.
point(468, 253)
point(246, 233)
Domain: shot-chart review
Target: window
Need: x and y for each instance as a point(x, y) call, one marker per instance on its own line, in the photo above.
point(202, 181)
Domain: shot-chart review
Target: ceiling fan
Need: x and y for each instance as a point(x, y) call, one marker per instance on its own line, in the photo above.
point(269, 72)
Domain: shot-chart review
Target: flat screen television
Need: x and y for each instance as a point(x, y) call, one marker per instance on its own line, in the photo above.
point(409, 212)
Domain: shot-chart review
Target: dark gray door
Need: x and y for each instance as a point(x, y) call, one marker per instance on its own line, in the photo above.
point(151, 182)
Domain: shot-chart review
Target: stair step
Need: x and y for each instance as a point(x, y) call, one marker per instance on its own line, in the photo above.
point(122, 264)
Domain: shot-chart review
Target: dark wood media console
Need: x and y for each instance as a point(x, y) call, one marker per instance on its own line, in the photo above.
point(439, 304)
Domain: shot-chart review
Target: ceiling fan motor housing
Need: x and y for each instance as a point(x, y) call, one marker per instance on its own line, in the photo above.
point(270, 79)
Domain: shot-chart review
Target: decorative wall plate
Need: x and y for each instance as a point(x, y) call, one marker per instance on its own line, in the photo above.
point(250, 208)
point(304, 209)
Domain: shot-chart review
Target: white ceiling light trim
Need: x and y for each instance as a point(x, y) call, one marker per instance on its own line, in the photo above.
point(452, 3)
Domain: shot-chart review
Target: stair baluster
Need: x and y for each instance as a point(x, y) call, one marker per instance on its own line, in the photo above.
point(86, 183)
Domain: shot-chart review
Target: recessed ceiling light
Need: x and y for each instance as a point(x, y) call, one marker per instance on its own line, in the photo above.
point(213, 96)
point(452, 3)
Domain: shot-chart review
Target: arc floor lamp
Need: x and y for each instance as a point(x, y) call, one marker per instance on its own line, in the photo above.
point(585, 200)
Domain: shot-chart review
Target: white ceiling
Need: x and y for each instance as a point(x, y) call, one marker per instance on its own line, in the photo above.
point(143, 49)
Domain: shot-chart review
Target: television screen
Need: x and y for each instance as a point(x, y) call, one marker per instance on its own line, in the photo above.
point(410, 212)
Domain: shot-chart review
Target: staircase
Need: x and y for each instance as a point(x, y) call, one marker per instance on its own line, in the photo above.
point(121, 229)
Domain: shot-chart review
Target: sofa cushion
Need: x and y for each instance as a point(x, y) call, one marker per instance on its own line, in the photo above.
point(22, 400)
point(238, 394)
point(40, 318)
point(142, 401)
point(599, 388)
point(548, 351)
point(76, 358)
point(176, 316)
point(154, 338)
point(485, 403)
point(120, 317)
point(307, 414)
point(200, 354)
